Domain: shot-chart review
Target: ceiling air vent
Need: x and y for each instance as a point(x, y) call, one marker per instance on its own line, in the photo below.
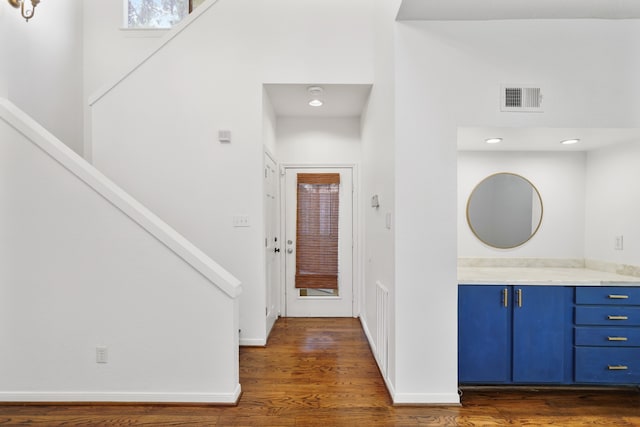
point(521, 98)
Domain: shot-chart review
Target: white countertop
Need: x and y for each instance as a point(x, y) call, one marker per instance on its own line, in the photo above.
point(542, 276)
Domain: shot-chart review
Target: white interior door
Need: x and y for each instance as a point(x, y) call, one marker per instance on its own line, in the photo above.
point(271, 243)
point(313, 302)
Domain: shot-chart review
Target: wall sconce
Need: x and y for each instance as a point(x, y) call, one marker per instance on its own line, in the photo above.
point(26, 14)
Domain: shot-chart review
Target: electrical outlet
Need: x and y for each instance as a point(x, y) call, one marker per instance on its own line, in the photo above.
point(619, 243)
point(101, 354)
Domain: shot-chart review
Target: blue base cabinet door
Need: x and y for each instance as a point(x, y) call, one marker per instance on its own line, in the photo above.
point(540, 335)
point(484, 334)
point(514, 334)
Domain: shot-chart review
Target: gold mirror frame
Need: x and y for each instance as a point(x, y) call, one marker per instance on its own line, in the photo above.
point(493, 244)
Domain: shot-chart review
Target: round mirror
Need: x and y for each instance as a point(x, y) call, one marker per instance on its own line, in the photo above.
point(504, 211)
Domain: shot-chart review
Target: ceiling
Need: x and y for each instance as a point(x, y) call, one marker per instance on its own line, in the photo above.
point(445, 10)
point(542, 139)
point(340, 100)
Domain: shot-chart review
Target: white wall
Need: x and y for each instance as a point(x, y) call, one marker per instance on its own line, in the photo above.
point(156, 133)
point(613, 203)
point(41, 71)
point(4, 56)
point(560, 180)
point(449, 74)
point(319, 140)
point(378, 177)
point(82, 265)
point(109, 50)
point(269, 121)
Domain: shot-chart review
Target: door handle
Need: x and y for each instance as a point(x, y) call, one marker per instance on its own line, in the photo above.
point(276, 250)
point(519, 297)
point(290, 250)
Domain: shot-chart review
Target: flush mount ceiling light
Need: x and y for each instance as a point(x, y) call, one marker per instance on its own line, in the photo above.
point(315, 96)
point(493, 140)
point(26, 13)
point(570, 141)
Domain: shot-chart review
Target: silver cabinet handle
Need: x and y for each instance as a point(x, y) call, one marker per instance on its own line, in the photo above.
point(519, 297)
point(617, 367)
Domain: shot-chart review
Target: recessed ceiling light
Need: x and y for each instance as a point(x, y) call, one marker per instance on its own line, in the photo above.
point(315, 96)
point(570, 141)
point(493, 140)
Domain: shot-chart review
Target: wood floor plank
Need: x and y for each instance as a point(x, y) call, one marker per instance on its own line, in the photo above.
point(320, 372)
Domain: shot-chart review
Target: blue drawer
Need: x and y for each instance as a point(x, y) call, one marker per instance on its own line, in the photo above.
point(608, 316)
point(609, 337)
point(607, 365)
point(608, 295)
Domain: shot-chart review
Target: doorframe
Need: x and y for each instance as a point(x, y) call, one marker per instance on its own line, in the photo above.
point(357, 293)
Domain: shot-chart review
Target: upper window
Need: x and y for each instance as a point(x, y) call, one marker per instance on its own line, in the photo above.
point(156, 13)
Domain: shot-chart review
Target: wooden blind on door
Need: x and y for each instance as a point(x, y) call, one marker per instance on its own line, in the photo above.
point(317, 230)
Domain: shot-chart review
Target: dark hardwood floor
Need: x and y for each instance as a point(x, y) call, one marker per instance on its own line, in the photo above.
point(320, 372)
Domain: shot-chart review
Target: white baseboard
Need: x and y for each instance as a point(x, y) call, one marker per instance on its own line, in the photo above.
point(253, 342)
point(142, 397)
point(426, 399)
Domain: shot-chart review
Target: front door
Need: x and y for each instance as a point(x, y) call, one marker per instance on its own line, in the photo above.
point(318, 242)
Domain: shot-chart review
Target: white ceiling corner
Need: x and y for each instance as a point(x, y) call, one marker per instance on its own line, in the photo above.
point(481, 10)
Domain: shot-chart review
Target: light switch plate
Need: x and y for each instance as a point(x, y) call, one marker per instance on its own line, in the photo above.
point(241, 221)
point(101, 354)
point(224, 136)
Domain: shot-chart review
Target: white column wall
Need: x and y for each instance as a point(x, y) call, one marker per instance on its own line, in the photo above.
point(378, 178)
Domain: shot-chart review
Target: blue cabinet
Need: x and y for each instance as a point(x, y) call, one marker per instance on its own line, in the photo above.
point(484, 334)
point(514, 334)
point(607, 335)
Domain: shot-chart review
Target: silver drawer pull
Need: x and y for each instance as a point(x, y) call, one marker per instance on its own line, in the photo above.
point(617, 338)
point(618, 296)
point(618, 317)
point(617, 367)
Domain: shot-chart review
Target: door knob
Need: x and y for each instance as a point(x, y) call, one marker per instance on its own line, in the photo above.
point(290, 250)
point(276, 250)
